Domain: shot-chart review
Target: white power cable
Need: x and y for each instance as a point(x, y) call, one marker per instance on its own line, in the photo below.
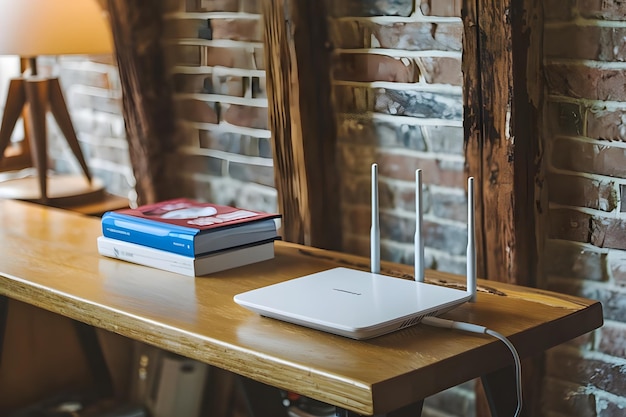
point(473, 328)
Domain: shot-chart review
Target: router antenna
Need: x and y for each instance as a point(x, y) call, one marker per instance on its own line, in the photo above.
point(419, 220)
point(375, 229)
point(471, 241)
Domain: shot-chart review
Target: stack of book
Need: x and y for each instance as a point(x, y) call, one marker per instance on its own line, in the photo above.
point(188, 237)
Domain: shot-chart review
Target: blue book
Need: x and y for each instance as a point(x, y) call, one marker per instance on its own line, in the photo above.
point(189, 227)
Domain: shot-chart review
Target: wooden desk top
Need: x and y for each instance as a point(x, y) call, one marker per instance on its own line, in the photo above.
point(49, 258)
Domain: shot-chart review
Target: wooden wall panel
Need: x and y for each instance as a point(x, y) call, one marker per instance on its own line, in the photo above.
point(302, 122)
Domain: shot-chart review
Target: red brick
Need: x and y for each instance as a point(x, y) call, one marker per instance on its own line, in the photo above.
point(608, 232)
point(255, 117)
point(606, 124)
point(374, 67)
point(230, 57)
point(411, 36)
point(581, 81)
point(237, 29)
point(441, 70)
point(581, 156)
point(197, 111)
point(569, 225)
point(441, 7)
point(582, 192)
point(418, 36)
point(402, 167)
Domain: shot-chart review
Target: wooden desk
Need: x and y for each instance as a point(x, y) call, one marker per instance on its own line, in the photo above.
point(49, 259)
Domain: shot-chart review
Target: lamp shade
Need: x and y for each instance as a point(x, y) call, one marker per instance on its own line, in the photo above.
point(29, 28)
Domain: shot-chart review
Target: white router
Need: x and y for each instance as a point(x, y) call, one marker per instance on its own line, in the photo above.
point(362, 305)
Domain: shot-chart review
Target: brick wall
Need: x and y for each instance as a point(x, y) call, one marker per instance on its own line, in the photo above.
point(397, 88)
point(215, 49)
point(585, 238)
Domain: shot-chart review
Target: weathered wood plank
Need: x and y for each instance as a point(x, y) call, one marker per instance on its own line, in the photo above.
point(301, 121)
point(502, 81)
point(501, 129)
point(147, 94)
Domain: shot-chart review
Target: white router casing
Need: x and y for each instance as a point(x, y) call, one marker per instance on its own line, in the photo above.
point(358, 304)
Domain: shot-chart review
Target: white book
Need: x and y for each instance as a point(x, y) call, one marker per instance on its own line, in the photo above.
point(191, 266)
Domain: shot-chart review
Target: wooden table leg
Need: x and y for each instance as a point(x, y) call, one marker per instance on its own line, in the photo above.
point(500, 389)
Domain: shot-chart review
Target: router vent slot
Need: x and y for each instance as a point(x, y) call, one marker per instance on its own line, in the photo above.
point(415, 320)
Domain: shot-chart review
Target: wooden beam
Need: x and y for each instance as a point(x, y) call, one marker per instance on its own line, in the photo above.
point(301, 121)
point(147, 100)
point(503, 92)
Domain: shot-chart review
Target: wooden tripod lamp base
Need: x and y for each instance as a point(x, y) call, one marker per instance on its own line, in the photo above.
point(35, 95)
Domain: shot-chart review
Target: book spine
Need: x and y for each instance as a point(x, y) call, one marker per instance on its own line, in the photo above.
point(167, 262)
point(151, 235)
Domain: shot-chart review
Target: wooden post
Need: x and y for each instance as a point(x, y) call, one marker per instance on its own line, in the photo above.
point(502, 128)
point(503, 91)
point(301, 121)
point(148, 106)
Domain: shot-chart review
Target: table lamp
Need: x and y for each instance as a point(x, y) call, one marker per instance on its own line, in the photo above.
point(32, 28)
